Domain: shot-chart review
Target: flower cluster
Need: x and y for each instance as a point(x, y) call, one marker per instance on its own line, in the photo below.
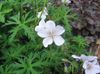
point(49, 31)
point(90, 64)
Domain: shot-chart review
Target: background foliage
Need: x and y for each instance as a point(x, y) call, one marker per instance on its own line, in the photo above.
point(21, 50)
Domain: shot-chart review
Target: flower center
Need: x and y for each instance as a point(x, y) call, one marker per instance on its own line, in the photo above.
point(51, 34)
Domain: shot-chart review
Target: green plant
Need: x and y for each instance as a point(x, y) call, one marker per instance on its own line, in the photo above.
point(6, 69)
point(4, 9)
point(31, 64)
point(22, 51)
point(21, 24)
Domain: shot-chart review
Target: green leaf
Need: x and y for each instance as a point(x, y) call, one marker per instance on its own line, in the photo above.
point(6, 11)
point(1, 5)
point(2, 18)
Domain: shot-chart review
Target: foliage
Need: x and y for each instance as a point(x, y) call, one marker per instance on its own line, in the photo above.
point(22, 51)
point(6, 69)
point(4, 9)
point(29, 65)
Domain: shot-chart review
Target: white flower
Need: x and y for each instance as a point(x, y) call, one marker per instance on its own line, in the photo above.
point(85, 58)
point(90, 64)
point(91, 67)
point(66, 1)
point(42, 14)
point(50, 32)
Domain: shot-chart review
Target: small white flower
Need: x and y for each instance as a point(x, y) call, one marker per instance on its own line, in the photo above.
point(66, 1)
point(50, 32)
point(85, 58)
point(42, 14)
point(91, 67)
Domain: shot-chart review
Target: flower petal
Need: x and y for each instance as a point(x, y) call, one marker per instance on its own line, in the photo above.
point(40, 26)
point(42, 15)
point(67, 1)
point(45, 11)
point(88, 58)
point(50, 24)
point(76, 57)
point(91, 68)
point(85, 64)
point(59, 30)
point(58, 40)
point(47, 41)
point(97, 68)
point(42, 34)
point(89, 71)
point(92, 58)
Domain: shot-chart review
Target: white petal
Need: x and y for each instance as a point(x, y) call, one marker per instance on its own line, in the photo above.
point(76, 57)
point(50, 24)
point(95, 62)
point(83, 57)
point(67, 1)
point(40, 26)
point(97, 68)
point(37, 28)
point(89, 72)
point(45, 11)
point(43, 16)
point(92, 58)
point(59, 30)
point(42, 34)
point(85, 64)
point(88, 58)
point(42, 23)
point(47, 41)
point(58, 40)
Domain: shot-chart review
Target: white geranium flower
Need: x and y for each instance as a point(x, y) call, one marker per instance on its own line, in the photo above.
point(85, 58)
point(50, 32)
point(66, 1)
point(42, 14)
point(91, 67)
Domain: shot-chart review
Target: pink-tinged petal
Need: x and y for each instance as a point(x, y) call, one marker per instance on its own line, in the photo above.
point(47, 41)
point(50, 25)
point(42, 34)
point(59, 30)
point(58, 40)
